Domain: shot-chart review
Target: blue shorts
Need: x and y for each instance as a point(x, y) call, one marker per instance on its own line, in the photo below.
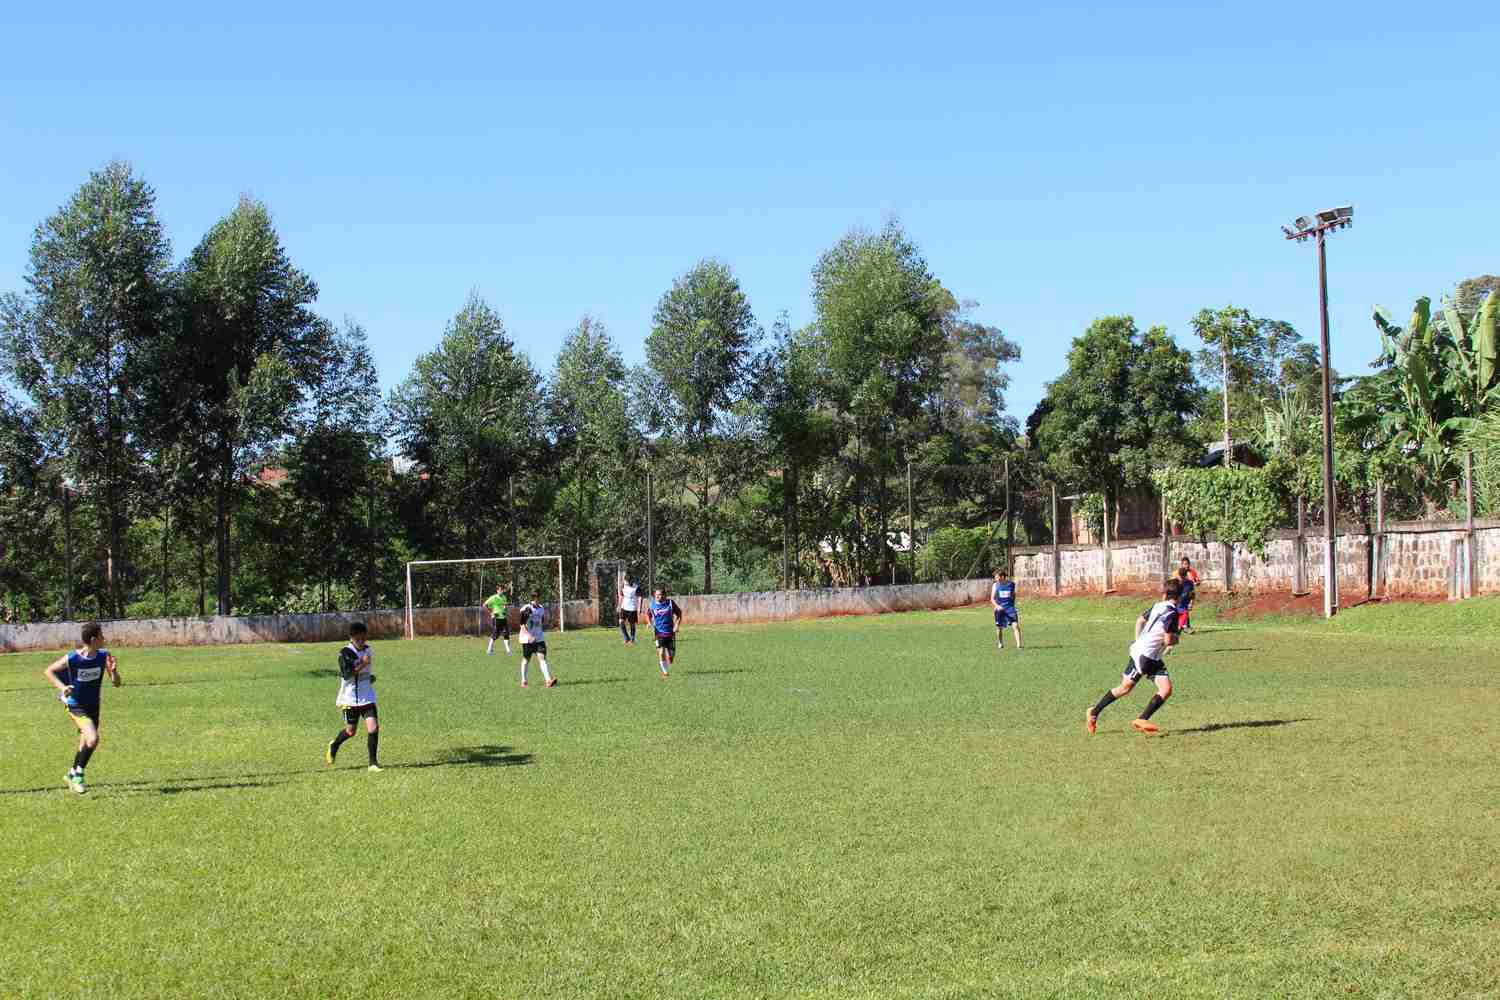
point(1006, 616)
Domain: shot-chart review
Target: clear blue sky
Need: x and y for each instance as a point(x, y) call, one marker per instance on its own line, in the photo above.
point(1053, 165)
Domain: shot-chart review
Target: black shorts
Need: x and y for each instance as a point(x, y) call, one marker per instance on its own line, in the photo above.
point(629, 617)
point(667, 642)
point(90, 713)
point(1138, 667)
point(353, 713)
point(530, 649)
point(500, 627)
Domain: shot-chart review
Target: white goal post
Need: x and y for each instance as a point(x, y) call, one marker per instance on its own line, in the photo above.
point(411, 632)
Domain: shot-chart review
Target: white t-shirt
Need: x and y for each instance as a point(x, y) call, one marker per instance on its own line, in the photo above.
point(630, 597)
point(531, 623)
point(1161, 621)
point(358, 690)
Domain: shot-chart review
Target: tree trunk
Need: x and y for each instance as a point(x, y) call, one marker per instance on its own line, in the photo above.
point(166, 534)
point(1228, 440)
point(708, 524)
point(202, 563)
point(221, 538)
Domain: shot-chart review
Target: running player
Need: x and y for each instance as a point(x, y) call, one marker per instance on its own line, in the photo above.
point(356, 697)
point(1003, 598)
point(666, 618)
point(534, 639)
point(1155, 631)
point(499, 618)
point(1187, 579)
point(630, 605)
point(84, 668)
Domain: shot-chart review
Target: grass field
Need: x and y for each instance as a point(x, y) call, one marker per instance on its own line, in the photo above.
point(874, 807)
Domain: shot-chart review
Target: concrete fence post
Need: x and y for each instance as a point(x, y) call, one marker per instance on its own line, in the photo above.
point(1109, 586)
point(1468, 524)
point(1377, 544)
point(1299, 551)
point(1056, 551)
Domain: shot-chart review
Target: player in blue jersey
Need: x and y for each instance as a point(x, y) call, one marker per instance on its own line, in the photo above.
point(666, 617)
point(79, 678)
point(1156, 631)
point(1003, 599)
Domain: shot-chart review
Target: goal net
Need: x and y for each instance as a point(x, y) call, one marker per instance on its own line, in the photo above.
point(446, 596)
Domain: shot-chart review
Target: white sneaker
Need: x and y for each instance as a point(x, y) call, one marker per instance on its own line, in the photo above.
point(376, 767)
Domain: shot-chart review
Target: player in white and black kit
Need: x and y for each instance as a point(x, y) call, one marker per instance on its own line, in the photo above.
point(630, 605)
point(356, 698)
point(534, 639)
point(1155, 631)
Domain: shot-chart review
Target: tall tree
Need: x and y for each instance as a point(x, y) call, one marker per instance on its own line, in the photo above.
point(1248, 363)
point(470, 415)
point(97, 288)
point(245, 353)
point(1120, 407)
point(699, 352)
point(880, 320)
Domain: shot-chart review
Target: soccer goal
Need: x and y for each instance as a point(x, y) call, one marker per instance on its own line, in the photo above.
point(444, 593)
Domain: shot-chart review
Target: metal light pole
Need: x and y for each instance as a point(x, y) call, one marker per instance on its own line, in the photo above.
point(1318, 227)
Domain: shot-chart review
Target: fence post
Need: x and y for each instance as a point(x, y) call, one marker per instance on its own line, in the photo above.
point(67, 553)
point(650, 540)
point(514, 533)
point(1009, 522)
point(1056, 552)
point(1377, 570)
point(1108, 561)
point(1166, 542)
point(1299, 551)
point(911, 525)
point(1468, 524)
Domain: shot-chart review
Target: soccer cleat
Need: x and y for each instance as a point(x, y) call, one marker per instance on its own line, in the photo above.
point(1145, 726)
point(329, 753)
point(1090, 721)
point(524, 684)
point(376, 768)
point(551, 682)
point(75, 782)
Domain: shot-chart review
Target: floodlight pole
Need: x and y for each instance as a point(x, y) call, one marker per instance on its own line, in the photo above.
point(1318, 227)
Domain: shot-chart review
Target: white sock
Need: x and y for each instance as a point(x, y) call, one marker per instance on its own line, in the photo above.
point(546, 674)
point(663, 666)
point(523, 671)
point(491, 649)
point(507, 646)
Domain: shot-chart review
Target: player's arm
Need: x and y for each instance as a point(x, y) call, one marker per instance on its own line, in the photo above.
point(1140, 623)
point(112, 667)
point(676, 616)
point(51, 674)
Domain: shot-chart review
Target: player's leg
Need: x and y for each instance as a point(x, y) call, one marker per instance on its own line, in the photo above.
point(494, 634)
point(1163, 692)
point(1015, 627)
point(624, 627)
point(350, 719)
point(526, 651)
point(372, 737)
point(633, 616)
point(999, 629)
point(1127, 681)
point(541, 658)
point(88, 742)
point(663, 657)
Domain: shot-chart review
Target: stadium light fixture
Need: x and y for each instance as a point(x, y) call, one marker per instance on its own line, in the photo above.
point(1317, 227)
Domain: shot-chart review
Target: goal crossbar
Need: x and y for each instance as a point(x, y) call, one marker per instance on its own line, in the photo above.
point(410, 616)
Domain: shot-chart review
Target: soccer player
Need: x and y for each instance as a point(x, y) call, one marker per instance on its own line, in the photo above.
point(1155, 631)
point(356, 697)
point(630, 605)
point(1003, 598)
point(666, 617)
point(85, 668)
point(534, 639)
point(499, 619)
point(1187, 579)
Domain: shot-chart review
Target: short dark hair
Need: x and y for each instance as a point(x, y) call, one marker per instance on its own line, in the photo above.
point(536, 595)
point(1001, 572)
point(92, 631)
point(1187, 560)
point(357, 629)
point(1171, 587)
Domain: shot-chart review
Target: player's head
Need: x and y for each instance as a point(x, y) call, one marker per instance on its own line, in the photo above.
point(1000, 574)
point(500, 588)
point(536, 597)
point(1171, 588)
point(660, 593)
point(92, 633)
point(358, 632)
point(1187, 563)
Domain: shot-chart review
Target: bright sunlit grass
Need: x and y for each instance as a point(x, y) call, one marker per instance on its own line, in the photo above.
point(872, 807)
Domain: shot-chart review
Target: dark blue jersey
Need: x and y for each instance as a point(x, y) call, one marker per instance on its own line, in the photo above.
point(1185, 594)
point(86, 676)
point(1004, 594)
point(662, 616)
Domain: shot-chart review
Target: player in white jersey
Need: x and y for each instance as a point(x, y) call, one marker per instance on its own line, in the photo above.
point(1155, 631)
point(534, 639)
point(356, 698)
point(630, 606)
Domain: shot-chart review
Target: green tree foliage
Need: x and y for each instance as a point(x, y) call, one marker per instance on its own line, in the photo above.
point(1265, 359)
point(97, 284)
point(470, 415)
point(245, 351)
point(1233, 504)
point(1119, 411)
point(699, 355)
point(1483, 439)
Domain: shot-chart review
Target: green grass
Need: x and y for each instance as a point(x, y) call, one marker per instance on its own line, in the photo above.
point(874, 807)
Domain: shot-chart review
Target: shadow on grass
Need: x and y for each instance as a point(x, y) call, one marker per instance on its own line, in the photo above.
point(710, 673)
point(484, 755)
point(601, 680)
point(1227, 649)
point(1215, 727)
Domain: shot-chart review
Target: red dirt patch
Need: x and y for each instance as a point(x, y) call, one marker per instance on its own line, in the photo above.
point(1262, 605)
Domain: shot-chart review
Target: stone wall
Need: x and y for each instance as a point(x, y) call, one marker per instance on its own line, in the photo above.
point(389, 624)
point(1415, 559)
